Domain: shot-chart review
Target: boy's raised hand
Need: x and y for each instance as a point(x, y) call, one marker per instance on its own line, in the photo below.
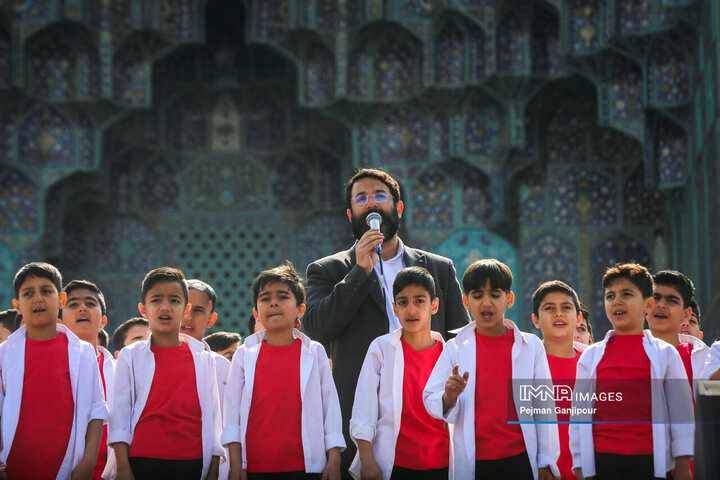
point(454, 387)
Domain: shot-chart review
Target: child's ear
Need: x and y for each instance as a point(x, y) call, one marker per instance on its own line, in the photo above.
point(700, 334)
point(213, 319)
point(649, 305)
point(511, 299)
point(188, 306)
point(435, 305)
point(301, 310)
point(117, 352)
point(104, 321)
point(16, 304)
point(63, 299)
point(687, 313)
point(465, 302)
point(536, 321)
point(142, 309)
point(394, 309)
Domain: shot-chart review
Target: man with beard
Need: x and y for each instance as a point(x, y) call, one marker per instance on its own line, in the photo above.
point(347, 307)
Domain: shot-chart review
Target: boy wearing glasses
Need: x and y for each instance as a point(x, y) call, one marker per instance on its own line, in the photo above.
point(348, 305)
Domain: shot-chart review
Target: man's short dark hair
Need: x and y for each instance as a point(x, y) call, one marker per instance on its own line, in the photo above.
point(37, 270)
point(286, 274)
point(202, 287)
point(553, 286)
point(161, 275)
point(120, 333)
point(222, 340)
point(478, 274)
point(8, 319)
point(678, 281)
point(377, 174)
point(417, 276)
point(78, 284)
point(635, 273)
point(103, 338)
point(695, 309)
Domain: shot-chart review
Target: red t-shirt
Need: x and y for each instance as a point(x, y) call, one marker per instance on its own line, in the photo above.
point(495, 438)
point(46, 412)
point(273, 441)
point(170, 426)
point(563, 372)
point(423, 442)
point(102, 453)
point(625, 369)
point(685, 350)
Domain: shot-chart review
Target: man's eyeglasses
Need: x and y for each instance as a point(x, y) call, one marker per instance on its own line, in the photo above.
point(379, 197)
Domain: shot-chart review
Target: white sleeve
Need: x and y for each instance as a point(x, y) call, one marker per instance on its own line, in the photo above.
point(435, 387)
point(217, 449)
point(679, 405)
point(122, 399)
point(232, 403)
point(98, 406)
point(332, 418)
point(583, 385)
point(548, 439)
point(363, 422)
point(712, 363)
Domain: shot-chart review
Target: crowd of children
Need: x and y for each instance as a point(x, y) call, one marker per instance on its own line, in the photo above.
point(493, 402)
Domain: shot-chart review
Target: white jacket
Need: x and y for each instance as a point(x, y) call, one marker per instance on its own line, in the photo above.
point(712, 362)
point(529, 362)
point(108, 372)
point(672, 408)
point(222, 369)
point(377, 409)
point(86, 391)
point(134, 374)
point(321, 418)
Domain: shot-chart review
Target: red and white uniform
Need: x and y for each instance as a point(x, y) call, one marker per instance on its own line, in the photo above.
point(379, 400)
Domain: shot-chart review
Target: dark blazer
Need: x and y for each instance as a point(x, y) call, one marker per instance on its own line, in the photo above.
point(346, 312)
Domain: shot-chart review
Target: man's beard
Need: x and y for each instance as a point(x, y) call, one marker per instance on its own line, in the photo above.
point(388, 227)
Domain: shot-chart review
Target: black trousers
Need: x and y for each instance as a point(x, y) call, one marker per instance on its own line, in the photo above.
point(613, 466)
point(516, 467)
point(160, 469)
point(299, 475)
point(400, 473)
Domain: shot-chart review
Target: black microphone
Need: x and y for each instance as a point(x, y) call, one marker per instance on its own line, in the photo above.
point(374, 220)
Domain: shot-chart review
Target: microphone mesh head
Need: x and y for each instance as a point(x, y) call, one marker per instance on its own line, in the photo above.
point(373, 217)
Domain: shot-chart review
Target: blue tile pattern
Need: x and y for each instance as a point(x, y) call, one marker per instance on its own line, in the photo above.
point(402, 137)
point(626, 92)
point(582, 197)
point(321, 236)
point(512, 45)
point(669, 81)
point(159, 190)
point(531, 197)
point(125, 245)
point(483, 127)
point(565, 137)
point(432, 201)
point(476, 198)
point(642, 205)
point(46, 139)
point(185, 121)
point(318, 74)
point(264, 124)
point(585, 21)
point(450, 55)
point(547, 257)
point(20, 203)
point(634, 15)
point(670, 154)
point(613, 146)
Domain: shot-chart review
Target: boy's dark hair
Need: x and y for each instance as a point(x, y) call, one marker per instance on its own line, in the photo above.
point(286, 274)
point(221, 340)
point(478, 274)
point(417, 276)
point(164, 274)
point(678, 281)
point(635, 273)
point(202, 287)
point(384, 177)
point(251, 324)
point(695, 309)
point(553, 286)
point(586, 316)
point(8, 319)
point(120, 333)
point(103, 338)
point(78, 284)
point(38, 270)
